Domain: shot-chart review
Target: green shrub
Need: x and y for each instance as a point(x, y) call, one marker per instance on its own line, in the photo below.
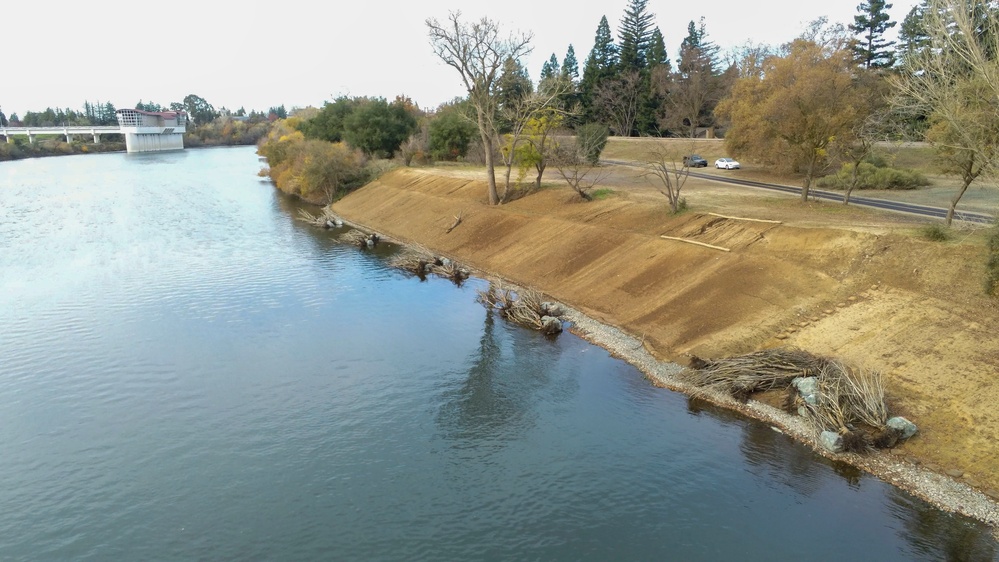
point(870, 176)
point(876, 160)
point(935, 232)
point(591, 139)
point(451, 133)
point(992, 263)
point(602, 193)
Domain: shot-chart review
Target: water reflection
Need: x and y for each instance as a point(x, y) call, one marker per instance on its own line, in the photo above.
point(508, 375)
point(937, 535)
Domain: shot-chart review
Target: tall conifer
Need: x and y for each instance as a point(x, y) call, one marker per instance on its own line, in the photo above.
point(871, 23)
point(635, 33)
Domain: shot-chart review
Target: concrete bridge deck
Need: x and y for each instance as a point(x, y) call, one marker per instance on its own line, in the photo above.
point(67, 131)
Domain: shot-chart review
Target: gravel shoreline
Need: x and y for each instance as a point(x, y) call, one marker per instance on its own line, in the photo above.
point(942, 491)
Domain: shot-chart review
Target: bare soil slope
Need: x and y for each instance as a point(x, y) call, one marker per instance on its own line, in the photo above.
point(874, 296)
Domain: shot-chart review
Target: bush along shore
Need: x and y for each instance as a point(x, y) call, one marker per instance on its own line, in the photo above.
point(839, 411)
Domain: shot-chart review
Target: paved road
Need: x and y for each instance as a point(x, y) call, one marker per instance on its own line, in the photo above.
point(885, 204)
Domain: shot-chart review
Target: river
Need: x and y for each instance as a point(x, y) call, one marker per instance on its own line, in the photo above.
point(187, 372)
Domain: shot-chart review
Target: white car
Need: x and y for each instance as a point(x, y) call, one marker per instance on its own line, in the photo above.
point(727, 164)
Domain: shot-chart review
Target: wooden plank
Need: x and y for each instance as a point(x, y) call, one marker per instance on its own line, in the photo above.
point(688, 241)
point(745, 219)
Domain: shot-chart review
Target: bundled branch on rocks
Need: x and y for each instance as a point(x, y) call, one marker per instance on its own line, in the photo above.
point(360, 239)
point(846, 407)
point(420, 262)
point(527, 308)
point(849, 409)
point(743, 375)
point(325, 219)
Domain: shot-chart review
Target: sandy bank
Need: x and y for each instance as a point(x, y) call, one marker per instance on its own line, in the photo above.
point(880, 299)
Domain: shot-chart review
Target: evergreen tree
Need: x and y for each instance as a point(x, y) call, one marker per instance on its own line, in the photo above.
point(871, 23)
point(110, 116)
point(550, 69)
point(570, 68)
point(658, 55)
point(696, 87)
point(603, 56)
point(635, 33)
point(599, 67)
point(3, 119)
point(514, 83)
point(697, 54)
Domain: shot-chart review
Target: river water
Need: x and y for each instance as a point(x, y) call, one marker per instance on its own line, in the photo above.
point(187, 372)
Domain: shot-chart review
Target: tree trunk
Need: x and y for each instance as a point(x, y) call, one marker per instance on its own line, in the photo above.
point(506, 179)
point(487, 145)
point(808, 180)
point(853, 183)
point(955, 200)
point(541, 172)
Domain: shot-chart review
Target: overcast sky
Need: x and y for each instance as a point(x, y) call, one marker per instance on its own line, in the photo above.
point(297, 53)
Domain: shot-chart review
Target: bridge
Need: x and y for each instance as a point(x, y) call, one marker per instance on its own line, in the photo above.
point(145, 131)
point(68, 132)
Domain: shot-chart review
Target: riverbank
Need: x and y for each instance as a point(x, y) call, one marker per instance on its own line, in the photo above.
point(874, 296)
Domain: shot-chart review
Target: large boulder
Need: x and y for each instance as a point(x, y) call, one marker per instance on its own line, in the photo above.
point(904, 426)
point(551, 309)
point(551, 325)
point(831, 441)
point(806, 385)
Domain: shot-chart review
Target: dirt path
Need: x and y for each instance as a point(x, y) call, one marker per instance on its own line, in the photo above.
point(843, 282)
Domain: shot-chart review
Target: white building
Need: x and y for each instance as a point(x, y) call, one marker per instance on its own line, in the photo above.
point(149, 131)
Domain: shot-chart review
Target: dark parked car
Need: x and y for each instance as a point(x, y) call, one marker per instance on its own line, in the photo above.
point(694, 161)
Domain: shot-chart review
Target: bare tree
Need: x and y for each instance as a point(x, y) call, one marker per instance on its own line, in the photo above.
point(571, 158)
point(618, 101)
point(478, 51)
point(958, 86)
point(667, 165)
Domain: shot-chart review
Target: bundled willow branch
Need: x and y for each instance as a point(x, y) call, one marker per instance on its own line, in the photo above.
point(829, 413)
point(359, 239)
point(865, 396)
point(449, 270)
point(420, 262)
point(850, 403)
point(525, 308)
point(764, 370)
point(414, 260)
point(326, 219)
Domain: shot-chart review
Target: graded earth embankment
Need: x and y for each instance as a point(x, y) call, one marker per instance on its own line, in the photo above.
point(887, 300)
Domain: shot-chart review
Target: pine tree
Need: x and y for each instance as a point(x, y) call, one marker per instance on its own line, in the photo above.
point(635, 33)
point(871, 23)
point(550, 69)
point(570, 68)
point(603, 57)
point(599, 66)
point(697, 54)
point(658, 55)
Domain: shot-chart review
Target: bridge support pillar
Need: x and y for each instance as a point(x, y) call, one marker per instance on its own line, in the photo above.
point(10, 139)
point(31, 138)
point(69, 137)
point(97, 139)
